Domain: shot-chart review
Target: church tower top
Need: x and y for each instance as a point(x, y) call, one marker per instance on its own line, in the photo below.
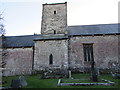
point(54, 18)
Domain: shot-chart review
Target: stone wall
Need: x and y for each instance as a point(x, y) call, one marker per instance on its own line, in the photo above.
point(105, 51)
point(43, 50)
point(18, 61)
point(54, 18)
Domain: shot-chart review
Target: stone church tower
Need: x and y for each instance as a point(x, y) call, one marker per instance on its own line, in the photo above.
point(54, 18)
point(51, 49)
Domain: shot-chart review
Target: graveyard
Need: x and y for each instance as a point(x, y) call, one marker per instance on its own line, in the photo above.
point(63, 78)
point(37, 81)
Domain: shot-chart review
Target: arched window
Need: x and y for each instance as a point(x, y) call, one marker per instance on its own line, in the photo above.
point(51, 59)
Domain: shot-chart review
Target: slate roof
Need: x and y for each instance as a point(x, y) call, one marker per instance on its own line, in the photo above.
point(28, 40)
point(19, 41)
point(93, 29)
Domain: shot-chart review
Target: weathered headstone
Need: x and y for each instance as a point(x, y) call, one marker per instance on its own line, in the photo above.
point(60, 73)
point(98, 72)
point(4, 82)
point(115, 75)
point(23, 82)
point(15, 84)
point(69, 73)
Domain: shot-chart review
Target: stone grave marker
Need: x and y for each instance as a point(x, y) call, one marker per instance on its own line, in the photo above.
point(115, 75)
point(23, 82)
point(60, 73)
point(15, 84)
point(69, 73)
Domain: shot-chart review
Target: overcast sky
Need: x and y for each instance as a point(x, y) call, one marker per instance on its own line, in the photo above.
point(23, 17)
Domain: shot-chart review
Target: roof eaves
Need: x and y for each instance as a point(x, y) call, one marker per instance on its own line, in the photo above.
point(96, 34)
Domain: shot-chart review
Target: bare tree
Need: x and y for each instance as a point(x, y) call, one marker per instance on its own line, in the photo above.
point(2, 49)
point(2, 29)
point(2, 26)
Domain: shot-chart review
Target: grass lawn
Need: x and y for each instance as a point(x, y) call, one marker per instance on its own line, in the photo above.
point(35, 81)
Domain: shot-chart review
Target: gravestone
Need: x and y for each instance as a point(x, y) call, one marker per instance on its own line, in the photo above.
point(98, 72)
point(4, 82)
point(15, 84)
point(60, 73)
point(23, 82)
point(115, 75)
point(69, 74)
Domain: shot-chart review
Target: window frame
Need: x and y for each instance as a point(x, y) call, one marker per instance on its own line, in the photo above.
point(88, 52)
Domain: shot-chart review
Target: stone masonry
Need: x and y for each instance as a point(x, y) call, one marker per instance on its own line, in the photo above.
point(54, 18)
point(43, 49)
point(105, 51)
point(18, 61)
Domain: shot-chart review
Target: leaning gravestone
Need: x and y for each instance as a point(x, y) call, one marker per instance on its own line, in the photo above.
point(23, 82)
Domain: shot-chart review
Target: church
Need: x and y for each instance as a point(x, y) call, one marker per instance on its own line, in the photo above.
point(60, 46)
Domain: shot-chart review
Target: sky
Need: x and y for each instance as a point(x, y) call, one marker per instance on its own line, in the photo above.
point(23, 17)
